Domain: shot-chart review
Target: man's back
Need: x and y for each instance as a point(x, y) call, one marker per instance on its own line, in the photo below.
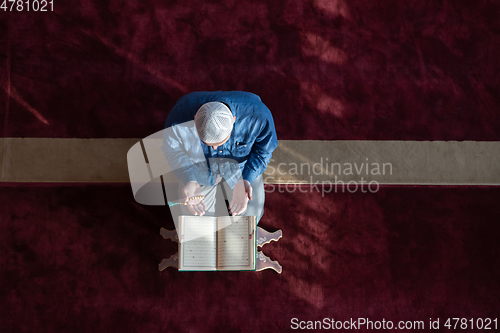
point(253, 138)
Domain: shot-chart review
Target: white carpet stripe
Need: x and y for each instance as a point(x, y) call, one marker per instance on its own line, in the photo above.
point(294, 162)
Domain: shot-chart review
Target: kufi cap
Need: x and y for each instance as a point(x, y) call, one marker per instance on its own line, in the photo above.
point(214, 122)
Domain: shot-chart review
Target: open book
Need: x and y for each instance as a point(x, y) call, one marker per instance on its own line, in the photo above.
point(224, 243)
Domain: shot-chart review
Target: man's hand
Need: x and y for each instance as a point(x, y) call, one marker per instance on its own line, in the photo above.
point(242, 192)
point(195, 206)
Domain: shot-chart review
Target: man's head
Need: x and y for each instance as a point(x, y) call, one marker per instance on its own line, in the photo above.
point(214, 123)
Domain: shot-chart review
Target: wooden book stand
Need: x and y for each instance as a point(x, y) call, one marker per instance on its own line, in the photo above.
point(263, 262)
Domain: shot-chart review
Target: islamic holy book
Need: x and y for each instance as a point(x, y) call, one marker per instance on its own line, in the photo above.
point(226, 243)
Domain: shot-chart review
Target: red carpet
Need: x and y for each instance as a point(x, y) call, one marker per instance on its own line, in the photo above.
point(83, 259)
point(327, 69)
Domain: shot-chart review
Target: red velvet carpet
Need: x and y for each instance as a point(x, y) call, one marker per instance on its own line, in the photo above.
point(327, 69)
point(83, 258)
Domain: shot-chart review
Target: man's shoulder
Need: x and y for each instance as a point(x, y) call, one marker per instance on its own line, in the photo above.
point(209, 96)
point(243, 104)
point(243, 94)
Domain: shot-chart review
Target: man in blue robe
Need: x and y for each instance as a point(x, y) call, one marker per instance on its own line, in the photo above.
point(220, 138)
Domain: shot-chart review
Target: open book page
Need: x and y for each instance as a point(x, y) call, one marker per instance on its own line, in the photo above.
point(236, 243)
point(197, 246)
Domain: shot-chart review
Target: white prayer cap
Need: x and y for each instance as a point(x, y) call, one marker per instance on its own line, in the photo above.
point(214, 122)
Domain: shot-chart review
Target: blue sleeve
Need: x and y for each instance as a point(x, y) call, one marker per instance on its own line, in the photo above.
point(262, 150)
